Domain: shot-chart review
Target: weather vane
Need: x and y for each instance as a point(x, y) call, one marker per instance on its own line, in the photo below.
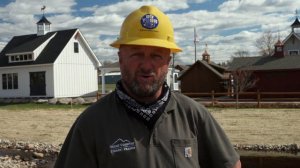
point(43, 9)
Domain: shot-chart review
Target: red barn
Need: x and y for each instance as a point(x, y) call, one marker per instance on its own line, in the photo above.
point(279, 72)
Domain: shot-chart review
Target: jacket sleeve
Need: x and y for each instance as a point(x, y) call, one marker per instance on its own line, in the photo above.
point(77, 150)
point(215, 149)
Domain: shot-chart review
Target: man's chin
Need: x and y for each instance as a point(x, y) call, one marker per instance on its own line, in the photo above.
point(145, 91)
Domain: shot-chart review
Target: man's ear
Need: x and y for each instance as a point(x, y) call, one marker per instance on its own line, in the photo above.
point(169, 59)
point(120, 58)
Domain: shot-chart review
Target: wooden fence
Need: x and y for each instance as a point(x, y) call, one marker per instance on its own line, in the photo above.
point(254, 97)
point(244, 97)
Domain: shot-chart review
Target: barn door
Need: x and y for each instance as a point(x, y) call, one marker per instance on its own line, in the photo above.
point(37, 84)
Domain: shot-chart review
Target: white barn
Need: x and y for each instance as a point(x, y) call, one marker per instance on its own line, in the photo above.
point(48, 64)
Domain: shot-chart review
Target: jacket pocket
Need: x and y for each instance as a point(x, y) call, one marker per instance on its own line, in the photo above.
point(185, 153)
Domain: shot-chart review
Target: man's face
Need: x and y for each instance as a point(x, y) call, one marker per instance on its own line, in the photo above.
point(143, 69)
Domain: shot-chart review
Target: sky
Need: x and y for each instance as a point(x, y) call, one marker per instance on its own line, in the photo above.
point(223, 27)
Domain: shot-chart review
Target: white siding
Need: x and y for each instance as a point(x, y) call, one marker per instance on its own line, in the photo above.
point(290, 45)
point(24, 81)
point(38, 50)
point(74, 73)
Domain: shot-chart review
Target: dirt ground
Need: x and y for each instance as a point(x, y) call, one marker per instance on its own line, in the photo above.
point(243, 126)
point(47, 126)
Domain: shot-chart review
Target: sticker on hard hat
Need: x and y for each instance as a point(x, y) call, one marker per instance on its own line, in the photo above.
point(149, 21)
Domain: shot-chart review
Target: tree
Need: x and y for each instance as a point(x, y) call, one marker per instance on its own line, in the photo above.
point(242, 81)
point(265, 43)
point(237, 54)
point(241, 53)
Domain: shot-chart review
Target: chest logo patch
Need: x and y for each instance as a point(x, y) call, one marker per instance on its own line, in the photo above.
point(187, 152)
point(121, 145)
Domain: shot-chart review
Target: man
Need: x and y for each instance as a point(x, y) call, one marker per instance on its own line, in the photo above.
point(142, 124)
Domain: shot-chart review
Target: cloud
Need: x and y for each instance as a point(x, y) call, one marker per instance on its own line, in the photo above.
point(16, 16)
point(123, 8)
point(233, 25)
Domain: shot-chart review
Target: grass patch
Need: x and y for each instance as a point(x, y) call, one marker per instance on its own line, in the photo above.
point(108, 87)
point(43, 106)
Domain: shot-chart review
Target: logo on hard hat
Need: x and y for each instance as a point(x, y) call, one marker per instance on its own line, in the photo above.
point(149, 21)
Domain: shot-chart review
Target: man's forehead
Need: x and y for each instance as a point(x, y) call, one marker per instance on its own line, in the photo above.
point(139, 47)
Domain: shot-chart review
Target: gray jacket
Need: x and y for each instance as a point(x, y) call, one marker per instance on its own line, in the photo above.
point(185, 136)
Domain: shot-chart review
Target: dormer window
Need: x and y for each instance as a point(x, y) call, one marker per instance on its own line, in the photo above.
point(20, 58)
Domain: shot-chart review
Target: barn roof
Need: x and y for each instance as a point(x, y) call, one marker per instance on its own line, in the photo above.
point(216, 69)
point(265, 63)
point(28, 43)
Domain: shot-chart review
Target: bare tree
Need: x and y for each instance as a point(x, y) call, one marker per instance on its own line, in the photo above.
point(241, 53)
point(238, 53)
point(242, 80)
point(265, 43)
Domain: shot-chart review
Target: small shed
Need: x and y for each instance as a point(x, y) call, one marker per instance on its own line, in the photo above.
point(203, 77)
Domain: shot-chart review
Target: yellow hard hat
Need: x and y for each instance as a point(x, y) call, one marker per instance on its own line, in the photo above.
point(147, 26)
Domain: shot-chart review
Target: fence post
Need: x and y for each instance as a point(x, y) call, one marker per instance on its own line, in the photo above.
point(258, 99)
point(97, 95)
point(213, 98)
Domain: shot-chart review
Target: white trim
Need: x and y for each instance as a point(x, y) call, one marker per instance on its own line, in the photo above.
point(98, 63)
point(288, 37)
point(39, 49)
point(289, 51)
point(25, 66)
point(19, 53)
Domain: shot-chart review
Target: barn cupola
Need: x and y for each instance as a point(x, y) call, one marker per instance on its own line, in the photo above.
point(206, 56)
point(279, 49)
point(43, 25)
point(296, 25)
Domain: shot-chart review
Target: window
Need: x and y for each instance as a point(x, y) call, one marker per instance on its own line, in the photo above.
point(279, 49)
point(76, 49)
point(21, 58)
point(4, 81)
point(15, 81)
point(293, 52)
point(40, 27)
point(10, 81)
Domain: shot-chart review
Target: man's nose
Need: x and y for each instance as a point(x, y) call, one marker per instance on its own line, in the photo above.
point(147, 63)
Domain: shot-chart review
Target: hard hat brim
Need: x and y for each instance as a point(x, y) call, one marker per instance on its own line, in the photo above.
point(148, 42)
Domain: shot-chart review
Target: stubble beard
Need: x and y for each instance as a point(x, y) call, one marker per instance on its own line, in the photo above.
point(143, 90)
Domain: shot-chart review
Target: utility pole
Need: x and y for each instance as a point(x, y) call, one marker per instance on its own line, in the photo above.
point(196, 40)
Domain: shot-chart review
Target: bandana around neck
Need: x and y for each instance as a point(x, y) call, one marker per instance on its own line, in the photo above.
point(148, 113)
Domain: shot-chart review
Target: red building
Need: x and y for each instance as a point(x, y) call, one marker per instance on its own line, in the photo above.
point(203, 76)
point(279, 72)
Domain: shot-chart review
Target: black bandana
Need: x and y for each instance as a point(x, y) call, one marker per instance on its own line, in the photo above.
point(148, 113)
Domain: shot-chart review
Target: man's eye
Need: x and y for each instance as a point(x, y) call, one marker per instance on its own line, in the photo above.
point(158, 57)
point(136, 55)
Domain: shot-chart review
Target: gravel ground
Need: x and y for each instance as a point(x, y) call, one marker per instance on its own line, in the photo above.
point(27, 155)
point(30, 139)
